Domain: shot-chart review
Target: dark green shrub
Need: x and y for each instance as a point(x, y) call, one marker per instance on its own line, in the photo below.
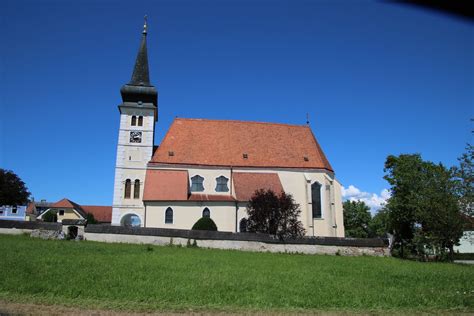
point(205, 223)
point(50, 217)
point(90, 219)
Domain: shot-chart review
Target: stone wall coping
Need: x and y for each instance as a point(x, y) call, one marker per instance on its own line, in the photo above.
point(213, 235)
point(29, 225)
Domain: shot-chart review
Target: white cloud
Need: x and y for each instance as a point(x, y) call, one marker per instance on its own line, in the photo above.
point(373, 200)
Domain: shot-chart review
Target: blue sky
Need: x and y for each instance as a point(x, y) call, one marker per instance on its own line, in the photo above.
point(376, 78)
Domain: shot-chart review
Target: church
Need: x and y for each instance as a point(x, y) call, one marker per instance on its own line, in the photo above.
point(211, 168)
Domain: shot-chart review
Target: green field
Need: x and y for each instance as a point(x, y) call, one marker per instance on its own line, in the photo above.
point(147, 278)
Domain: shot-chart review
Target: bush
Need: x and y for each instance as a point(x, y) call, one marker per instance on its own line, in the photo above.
point(205, 223)
point(90, 219)
point(50, 217)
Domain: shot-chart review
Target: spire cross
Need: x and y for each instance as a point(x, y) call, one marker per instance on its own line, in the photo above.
point(145, 24)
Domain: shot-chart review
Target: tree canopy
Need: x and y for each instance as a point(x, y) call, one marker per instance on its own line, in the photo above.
point(464, 174)
point(274, 215)
point(423, 209)
point(356, 219)
point(13, 190)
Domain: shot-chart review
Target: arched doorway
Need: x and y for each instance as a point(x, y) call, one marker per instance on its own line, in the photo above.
point(243, 225)
point(131, 220)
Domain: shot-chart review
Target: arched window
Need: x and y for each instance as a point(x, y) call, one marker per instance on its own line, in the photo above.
point(134, 120)
point(243, 225)
point(316, 200)
point(196, 184)
point(136, 189)
point(128, 188)
point(206, 213)
point(140, 121)
point(221, 184)
point(131, 220)
point(169, 216)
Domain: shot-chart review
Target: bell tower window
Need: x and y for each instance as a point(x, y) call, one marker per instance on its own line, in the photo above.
point(136, 189)
point(128, 188)
point(140, 121)
point(134, 120)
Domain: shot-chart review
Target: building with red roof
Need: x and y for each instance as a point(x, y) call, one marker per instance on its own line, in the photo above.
point(213, 167)
point(66, 209)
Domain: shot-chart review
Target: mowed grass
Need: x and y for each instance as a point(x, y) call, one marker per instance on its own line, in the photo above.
point(153, 278)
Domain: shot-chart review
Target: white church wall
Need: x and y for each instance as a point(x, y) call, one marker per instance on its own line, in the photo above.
point(186, 214)
point(296, 182)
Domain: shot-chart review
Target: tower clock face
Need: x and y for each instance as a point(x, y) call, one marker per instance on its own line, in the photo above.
point(135, 137)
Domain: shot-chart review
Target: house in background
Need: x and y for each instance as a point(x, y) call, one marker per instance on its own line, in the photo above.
point(35, 208)
point(466, 243)
point(102, 214)
point(66, 209)
point(14, 213)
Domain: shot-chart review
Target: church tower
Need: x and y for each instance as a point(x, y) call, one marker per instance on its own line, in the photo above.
point(138, 114)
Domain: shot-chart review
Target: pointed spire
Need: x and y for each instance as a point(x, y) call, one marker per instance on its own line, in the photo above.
point(139, 91)
point(140, 76)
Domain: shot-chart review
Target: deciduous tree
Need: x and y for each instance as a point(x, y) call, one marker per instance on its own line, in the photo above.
point(13, 190)
point(274, 214)
point(423, 209)
point(356, 219)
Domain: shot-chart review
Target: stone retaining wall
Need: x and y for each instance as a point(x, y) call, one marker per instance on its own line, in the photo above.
point(245, 245)
point(237, 241)
point(206, 239)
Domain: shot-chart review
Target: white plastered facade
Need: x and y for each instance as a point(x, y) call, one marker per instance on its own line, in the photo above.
point(227, 215)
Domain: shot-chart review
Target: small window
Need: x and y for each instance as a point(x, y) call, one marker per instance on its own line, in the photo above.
point(169, 216)
point(136, 189)
point(61, 212)
point(134, 120)
point(197, 184)
point(206, 213)
point(316, 200)
point(140, 121)
point(128, 188)
point(221, 184)
point(14, 210)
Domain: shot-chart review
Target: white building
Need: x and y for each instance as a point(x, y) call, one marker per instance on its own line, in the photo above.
point(212, 168)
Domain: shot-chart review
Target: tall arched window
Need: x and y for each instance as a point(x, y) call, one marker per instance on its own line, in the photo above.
point(169, 216)
point(316, 200)
point(134, 120)
point(128, 188)
point(136, 189)
point(206, 213)
point(243, 225)
point(140, 121)
point(221, 184)
point(196, 184)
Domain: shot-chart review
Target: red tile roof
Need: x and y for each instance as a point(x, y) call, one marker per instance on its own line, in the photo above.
point(246, 183)
point(30, 209)
point(166, 185)
point(65, 203)
point(101, 214)
point(211, 197)
point(224, 143)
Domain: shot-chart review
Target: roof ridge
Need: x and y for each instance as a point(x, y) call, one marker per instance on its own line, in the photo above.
point(240, 121)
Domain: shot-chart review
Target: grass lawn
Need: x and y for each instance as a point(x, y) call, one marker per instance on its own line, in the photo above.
point(151, 278)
